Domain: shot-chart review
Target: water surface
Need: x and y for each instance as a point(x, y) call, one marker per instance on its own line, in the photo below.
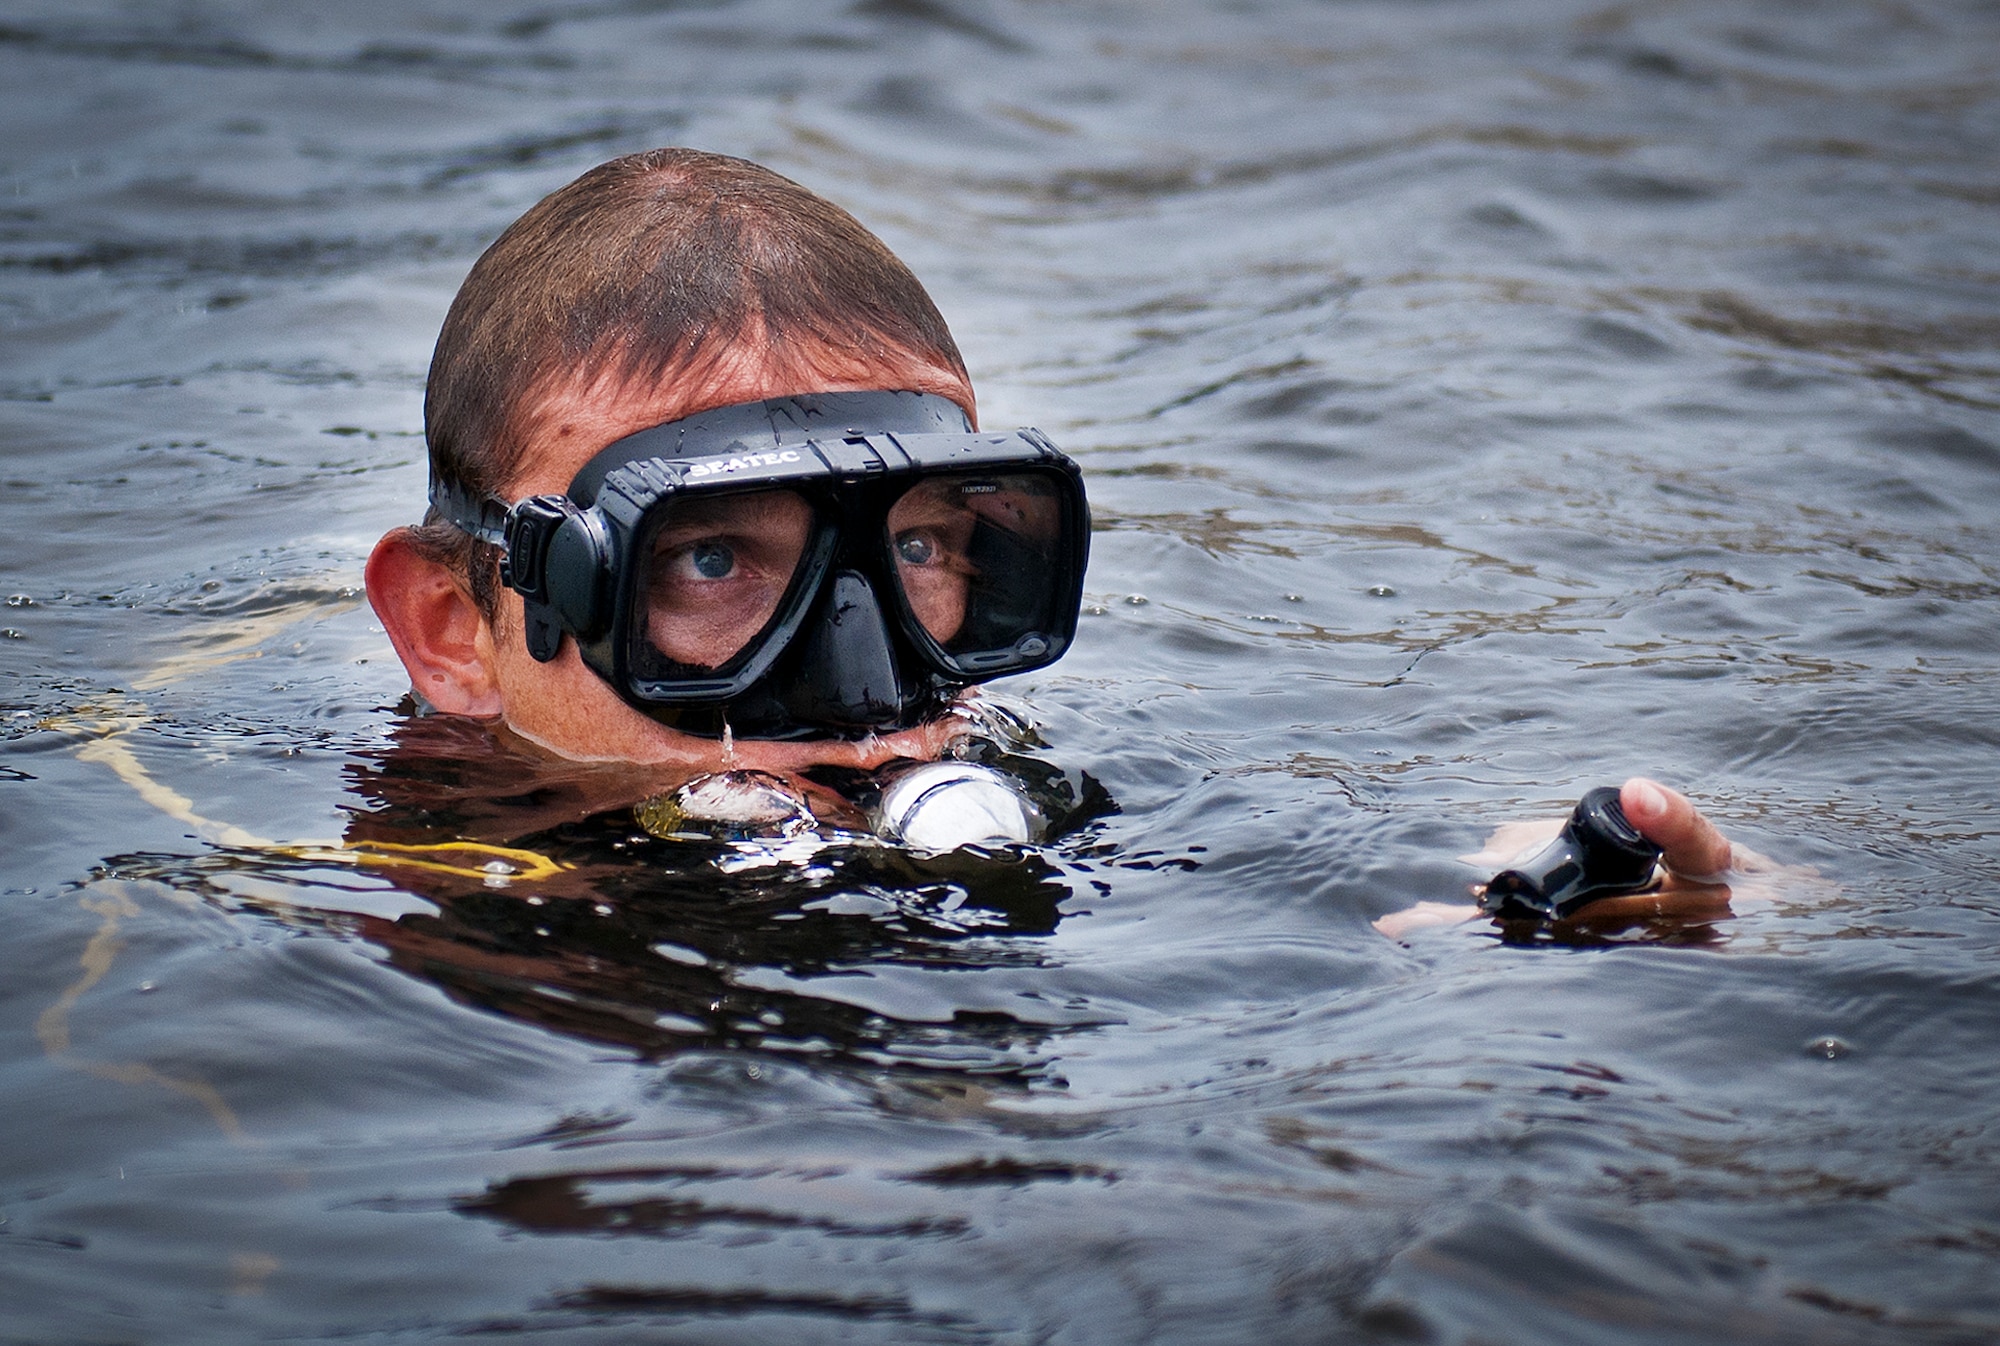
point(1480, 401)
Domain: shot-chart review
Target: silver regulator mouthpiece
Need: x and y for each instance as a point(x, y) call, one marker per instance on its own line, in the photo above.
point(941, 806)
point(935, 807)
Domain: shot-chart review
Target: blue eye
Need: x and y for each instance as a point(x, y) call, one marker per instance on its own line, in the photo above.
point(712, 560)
point(915, 549)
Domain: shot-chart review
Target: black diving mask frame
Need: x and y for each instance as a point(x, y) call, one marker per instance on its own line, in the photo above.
point(825, 565)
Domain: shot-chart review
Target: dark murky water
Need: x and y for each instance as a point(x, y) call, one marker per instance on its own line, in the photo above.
point(1480, 401)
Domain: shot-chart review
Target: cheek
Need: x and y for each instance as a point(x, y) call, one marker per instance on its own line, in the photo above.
point(571, 711)
point(937, 597)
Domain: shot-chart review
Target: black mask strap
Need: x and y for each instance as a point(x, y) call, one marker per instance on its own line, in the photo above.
point(484, 517)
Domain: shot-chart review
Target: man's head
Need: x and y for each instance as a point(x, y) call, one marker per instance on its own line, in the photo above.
point(653, 288)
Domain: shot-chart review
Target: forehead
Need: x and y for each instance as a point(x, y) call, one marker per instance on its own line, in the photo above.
point(571, 421)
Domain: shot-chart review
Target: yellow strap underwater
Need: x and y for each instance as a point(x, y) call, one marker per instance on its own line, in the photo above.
point(107, 727)
point(485, 862)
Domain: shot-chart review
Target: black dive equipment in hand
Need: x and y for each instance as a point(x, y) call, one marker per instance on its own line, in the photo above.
point(1598, 854)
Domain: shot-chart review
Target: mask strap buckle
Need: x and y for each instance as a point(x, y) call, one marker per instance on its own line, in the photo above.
point(531, 526)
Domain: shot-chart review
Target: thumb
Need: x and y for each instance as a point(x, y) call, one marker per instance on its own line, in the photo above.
point(1689, 843)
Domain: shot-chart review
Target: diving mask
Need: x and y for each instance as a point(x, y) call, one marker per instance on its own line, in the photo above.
point(828, 564)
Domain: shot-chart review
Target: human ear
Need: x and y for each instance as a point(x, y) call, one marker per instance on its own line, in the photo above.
point(443, 639)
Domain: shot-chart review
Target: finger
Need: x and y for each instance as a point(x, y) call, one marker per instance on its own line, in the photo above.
point(1689, 844)
point(1511, 841)
point(1423, 916)
point(1678, 901)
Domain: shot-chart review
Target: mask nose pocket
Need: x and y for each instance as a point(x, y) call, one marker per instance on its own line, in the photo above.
point(847, 669)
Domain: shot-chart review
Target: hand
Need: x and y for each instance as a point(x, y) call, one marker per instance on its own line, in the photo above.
point(1701, 866)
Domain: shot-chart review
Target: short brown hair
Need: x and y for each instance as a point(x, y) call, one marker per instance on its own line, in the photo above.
point(645, 268)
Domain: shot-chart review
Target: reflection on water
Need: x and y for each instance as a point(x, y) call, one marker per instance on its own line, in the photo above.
point(1480, 400)
point(662, 945)
point(541, 894)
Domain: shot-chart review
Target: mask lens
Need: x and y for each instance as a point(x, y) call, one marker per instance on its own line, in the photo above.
point(718, 568)
point(983, 565)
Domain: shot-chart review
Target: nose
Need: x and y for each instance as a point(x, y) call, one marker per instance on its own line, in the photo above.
point(847, 667)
